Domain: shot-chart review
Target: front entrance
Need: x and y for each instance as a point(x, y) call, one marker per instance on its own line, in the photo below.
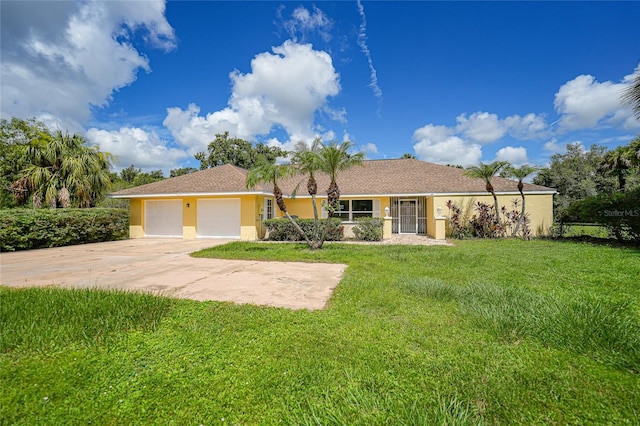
point(408, 216)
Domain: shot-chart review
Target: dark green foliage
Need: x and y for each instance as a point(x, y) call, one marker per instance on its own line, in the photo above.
point(23, 229)
point(369, 229)
point(236, 151)
point(283, 230)
point(619, 213)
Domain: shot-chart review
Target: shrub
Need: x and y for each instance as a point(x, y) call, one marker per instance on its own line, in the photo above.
point(24, 229)
point(368, 229)
point(619, 213)
point(281, 229)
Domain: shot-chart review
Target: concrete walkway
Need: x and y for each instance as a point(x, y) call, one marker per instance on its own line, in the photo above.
point(163, 266)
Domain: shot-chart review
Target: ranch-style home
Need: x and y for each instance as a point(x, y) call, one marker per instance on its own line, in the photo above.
point(411, 194)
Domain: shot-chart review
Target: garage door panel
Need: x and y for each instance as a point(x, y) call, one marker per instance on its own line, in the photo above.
point(163, 218)
point(219, 218)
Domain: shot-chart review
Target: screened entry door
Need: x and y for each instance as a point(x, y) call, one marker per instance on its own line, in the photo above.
point(408, 213)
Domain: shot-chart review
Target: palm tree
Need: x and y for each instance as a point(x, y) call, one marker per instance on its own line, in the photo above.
point(631, 96)
point(63, 170)
point(332, 159)
point(306, 160)
point(521, 174)
point(486, 172)
point(617, 162)
point(268, 171)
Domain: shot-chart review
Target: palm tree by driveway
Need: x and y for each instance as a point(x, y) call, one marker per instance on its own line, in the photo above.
point(306, 160)
point(486, 172)
point(270, 172)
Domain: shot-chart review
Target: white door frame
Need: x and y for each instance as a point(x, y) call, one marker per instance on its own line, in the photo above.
point(401, 217)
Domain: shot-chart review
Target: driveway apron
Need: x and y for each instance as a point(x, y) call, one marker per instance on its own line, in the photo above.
point(164, 267)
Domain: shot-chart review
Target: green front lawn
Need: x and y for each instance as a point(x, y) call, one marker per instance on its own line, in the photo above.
point(486, 332)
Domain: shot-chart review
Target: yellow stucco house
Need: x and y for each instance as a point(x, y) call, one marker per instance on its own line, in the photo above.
point(411, 194)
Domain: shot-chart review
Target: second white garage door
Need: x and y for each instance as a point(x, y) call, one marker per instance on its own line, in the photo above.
point(219, 218)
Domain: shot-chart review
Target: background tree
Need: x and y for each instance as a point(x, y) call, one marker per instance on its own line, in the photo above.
point(616, 163)
point(182, 171)
point(408, 155)
point(15, 136)
point(235, 151)
point(575, 176)
point(63, 170)
point(486, 172)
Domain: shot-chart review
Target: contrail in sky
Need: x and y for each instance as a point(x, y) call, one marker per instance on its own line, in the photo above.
point(362, 42)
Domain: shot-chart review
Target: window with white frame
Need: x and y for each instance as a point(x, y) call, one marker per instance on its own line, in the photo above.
point(350, 210)
point(268, 208)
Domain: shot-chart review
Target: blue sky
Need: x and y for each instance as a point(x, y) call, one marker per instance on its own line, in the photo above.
point(450, 82)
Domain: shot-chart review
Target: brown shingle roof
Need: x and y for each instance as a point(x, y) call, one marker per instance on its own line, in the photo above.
point(387, 177)
point(221, 179)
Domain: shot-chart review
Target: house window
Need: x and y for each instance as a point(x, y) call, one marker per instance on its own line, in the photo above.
point(268, 208)
point(350, 210)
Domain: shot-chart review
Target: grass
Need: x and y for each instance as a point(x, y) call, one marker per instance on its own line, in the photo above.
point(486, 332)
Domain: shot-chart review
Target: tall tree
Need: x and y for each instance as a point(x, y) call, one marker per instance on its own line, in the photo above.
point(574, 174)
point(63, 170)
point(486, 172)
point(617, 163)
point(332, 159)
point(305, 160)
point(631, 96)
point(181, 171)
point(268, 171)
point(236, 151)
point(520, 173)
point(15, 136)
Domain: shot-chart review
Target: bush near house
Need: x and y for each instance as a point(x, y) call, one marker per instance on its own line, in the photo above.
point(24, 229)
point(368, 229)
point(283, 230)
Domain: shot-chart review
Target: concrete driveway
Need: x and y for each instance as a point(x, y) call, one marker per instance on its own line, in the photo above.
point(163, 266)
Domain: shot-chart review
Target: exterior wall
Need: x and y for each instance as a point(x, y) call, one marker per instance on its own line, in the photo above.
point(136, 213)
point(539, 207)
point(250, 219)
point(248, 214)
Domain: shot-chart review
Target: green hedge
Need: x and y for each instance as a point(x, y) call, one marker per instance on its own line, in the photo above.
point(619, 213)
point(23, 229)
point(282, 229)
point(368, 229)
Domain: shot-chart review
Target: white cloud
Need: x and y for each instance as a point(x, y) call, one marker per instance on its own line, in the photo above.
point(136, 146)
point(284, 88)
point(304, 21)
point(553, 146)
point(531, 126)
point(481, 127)
point(61, 58)
point(438, 144)
point(585, 102)
point(369, 148)
point(517, 156)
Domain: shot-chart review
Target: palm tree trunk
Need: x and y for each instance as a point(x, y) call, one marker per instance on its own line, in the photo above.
point(312, 189)
point(495, 202)
point(277, 193)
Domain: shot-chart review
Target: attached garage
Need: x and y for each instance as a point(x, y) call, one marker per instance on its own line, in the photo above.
point(163, 218)
point(218, 218)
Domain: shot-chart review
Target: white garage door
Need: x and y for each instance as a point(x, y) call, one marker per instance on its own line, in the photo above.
point(163, 218)
point(219, 218)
